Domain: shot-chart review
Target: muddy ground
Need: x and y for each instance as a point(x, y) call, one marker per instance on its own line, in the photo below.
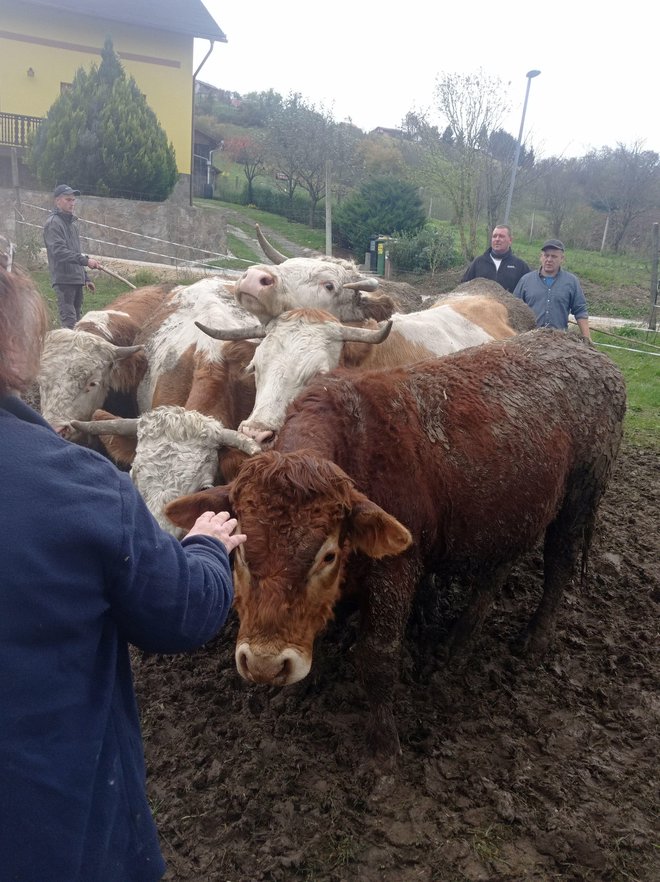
point(509, 772)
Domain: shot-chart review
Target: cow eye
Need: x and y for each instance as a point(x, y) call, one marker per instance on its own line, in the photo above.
point(329, 286)
point(329, 557)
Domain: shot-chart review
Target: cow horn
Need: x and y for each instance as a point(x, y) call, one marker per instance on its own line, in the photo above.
point(125, 427)
point(365, 335)
point(368, 284)
point(258, 331)
point(125, 351)
point(232, 438)
point(270, 252)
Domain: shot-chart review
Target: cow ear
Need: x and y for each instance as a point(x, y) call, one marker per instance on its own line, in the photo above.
point(121, 450)
point(184, 511)
point(374, 532)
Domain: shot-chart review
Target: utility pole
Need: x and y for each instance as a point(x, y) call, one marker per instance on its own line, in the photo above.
point(530, 75)
point(328, 209)
point(654, 278)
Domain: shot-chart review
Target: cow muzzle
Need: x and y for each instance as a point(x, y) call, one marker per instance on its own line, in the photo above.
point(274, 668)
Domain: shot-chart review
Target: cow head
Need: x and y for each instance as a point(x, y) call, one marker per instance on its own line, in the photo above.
point(173, 451)
point(295, 347)
point(303, 518)
point(77, 371)
point(329, 283)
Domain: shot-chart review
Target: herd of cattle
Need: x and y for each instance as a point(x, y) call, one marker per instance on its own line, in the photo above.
point(361, 449)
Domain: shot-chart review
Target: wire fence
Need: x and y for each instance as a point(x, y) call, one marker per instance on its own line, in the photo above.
point(143, 249)
point(648, 351)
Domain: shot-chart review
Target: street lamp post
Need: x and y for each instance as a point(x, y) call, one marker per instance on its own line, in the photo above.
point(530, 76)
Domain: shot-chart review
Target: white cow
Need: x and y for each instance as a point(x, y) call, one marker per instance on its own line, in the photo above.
point(80, 368)
point(329, 283)
point(175, 452)
point(300, 344)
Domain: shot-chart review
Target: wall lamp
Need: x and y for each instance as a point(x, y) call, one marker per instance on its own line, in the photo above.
point(30, 72)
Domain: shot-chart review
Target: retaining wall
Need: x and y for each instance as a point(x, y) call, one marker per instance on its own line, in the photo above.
point(171, 232)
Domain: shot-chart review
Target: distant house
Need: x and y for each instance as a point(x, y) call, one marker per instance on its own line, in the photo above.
point(44, 42)
point(392, 133)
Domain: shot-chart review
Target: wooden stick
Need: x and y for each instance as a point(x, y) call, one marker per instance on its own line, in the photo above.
point(117, 276)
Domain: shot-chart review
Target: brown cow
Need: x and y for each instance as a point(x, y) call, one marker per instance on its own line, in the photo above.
point(478, 454)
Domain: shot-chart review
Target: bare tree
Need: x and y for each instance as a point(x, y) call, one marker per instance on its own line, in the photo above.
point(558, 189)
point(301, 139)
point(471, 107)
point(248, 152)
point(625, 183)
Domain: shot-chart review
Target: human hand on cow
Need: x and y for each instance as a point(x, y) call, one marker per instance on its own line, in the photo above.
point(219, 526)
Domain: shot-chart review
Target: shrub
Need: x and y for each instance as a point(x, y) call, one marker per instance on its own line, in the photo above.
point(428, 250)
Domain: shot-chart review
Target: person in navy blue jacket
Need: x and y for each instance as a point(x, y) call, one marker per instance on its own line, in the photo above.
point(84, 571)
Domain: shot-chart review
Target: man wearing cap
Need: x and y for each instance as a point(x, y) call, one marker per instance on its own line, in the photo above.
point(553, 293)
point(498, 262)
point(66, 264)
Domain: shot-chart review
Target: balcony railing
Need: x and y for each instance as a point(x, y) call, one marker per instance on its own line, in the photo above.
point(15, 128)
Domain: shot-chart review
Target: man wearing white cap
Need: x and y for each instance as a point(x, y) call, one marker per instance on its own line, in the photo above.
point(553, 293)
point(65, 260)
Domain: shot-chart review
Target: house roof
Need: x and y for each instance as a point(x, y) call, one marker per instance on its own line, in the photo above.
point(191, 18)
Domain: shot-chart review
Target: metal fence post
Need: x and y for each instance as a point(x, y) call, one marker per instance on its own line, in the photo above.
point(654, 277)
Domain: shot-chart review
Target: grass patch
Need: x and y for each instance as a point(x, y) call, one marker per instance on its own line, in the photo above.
point(107, 289)
point(298, 233)
point(641, 370)
point(242, 249)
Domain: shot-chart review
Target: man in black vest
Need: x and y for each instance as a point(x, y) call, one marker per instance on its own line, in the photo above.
point(498, 263)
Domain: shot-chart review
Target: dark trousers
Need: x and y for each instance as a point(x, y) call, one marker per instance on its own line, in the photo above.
point(69, 303)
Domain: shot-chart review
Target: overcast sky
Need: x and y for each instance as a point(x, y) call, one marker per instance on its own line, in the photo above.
point(374, 61)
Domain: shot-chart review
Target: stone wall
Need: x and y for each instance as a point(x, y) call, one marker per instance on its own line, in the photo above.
point(171, 232)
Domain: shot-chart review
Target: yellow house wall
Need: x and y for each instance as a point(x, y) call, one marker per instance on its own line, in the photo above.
point(55, 44)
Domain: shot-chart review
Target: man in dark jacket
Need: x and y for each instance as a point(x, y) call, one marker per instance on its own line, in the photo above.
point(65, 261)
point(498, 263)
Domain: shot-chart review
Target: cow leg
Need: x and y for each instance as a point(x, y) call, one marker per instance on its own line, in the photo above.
point(384, 616)
point(428, 621)
point(486, 586)
point(559, 557)
point(571, 529)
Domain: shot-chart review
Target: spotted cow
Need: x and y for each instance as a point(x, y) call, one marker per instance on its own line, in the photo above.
point(300, 344)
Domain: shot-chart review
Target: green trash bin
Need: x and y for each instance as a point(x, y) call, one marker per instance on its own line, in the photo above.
point(382, 245)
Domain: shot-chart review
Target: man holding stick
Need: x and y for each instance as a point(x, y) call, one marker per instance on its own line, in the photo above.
point(66, 263)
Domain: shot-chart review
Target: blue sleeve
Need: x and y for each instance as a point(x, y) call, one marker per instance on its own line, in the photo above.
point(167, 596)
point(579, 302)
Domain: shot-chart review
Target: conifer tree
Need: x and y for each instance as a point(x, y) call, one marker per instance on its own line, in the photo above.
point(102, 137)
point(382, 205)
